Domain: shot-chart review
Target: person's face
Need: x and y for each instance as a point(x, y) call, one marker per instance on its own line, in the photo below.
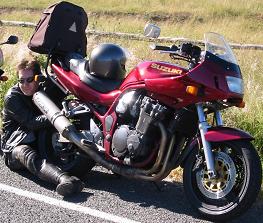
point(27, 83)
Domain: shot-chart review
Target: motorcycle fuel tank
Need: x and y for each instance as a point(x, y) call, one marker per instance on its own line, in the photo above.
point(153, 70)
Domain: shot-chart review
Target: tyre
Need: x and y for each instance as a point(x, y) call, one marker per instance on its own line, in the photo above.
point(236, 187)
point(63, 154)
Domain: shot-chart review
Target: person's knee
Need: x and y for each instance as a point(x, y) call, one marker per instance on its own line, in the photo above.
point(22, 151)
point(11, 163)
point(26, 156)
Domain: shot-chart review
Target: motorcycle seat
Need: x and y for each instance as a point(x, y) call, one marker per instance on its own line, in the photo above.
point(99, 84)
point(80, 66)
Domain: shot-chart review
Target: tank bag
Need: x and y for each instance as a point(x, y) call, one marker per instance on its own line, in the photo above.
point(61, 30)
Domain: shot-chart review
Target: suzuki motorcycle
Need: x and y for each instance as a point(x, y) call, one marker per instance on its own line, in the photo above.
point(160, 116)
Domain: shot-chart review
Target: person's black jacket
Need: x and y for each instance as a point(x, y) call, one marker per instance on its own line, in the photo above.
point(21, 119)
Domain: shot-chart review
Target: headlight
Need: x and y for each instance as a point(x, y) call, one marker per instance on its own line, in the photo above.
point(235, 84)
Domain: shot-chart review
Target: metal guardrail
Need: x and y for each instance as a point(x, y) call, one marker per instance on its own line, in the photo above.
point(137, 36)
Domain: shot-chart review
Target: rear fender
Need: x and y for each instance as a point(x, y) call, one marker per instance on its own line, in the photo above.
point(221, 133)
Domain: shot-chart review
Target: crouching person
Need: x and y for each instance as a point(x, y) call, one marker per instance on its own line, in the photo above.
point(21, 120)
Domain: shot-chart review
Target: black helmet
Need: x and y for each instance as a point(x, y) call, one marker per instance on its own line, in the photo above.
point(108, 60)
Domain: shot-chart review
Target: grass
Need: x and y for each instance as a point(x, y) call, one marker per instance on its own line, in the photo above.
point(251, 117)
point(176, 17)
point(218, 8)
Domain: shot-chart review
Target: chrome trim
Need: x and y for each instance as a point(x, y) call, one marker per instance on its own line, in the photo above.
point(203, 127)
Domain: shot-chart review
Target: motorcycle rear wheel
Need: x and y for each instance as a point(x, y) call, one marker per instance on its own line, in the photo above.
point(65, 155)
point(239, 169)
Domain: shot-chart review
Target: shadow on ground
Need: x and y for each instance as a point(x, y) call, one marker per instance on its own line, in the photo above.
point(165, 195)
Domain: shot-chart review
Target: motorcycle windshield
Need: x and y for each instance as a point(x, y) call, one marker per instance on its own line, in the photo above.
point(217, 45)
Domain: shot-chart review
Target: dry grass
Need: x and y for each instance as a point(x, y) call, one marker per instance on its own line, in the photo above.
point(176, 17)
point(201, 7)
point(176, 175)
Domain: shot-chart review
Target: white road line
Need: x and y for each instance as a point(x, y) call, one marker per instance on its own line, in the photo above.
point(65, 204)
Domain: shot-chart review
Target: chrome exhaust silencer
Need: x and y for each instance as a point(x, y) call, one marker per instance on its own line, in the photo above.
point(52, 112)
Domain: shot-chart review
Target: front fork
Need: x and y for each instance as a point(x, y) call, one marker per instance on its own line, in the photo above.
point(203, 127)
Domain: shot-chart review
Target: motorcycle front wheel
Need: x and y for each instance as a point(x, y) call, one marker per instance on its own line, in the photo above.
point(65, 155)
point(236, 187)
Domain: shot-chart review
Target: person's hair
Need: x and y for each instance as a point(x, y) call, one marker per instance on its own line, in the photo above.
point(28, 64)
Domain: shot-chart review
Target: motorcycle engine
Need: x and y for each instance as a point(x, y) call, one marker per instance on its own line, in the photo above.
point(133, 138)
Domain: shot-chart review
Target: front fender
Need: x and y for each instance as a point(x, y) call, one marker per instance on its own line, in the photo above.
point(215, 134)
point(222, 133)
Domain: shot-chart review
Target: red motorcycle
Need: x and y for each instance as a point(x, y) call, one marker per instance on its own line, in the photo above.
point(160, 116)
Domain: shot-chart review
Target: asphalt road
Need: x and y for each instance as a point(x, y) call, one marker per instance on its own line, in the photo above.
point(106, 198)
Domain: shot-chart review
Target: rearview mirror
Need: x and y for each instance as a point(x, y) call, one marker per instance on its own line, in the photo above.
point(151, 30)
point(12, 40)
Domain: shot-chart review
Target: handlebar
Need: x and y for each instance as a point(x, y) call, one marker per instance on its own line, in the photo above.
point(164, 48)
point(185, 51)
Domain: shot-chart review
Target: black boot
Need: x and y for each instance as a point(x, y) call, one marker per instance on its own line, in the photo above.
point(66, 185)
point(69, 185)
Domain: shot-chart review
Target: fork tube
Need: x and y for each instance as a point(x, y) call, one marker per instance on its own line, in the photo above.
point(203, 126)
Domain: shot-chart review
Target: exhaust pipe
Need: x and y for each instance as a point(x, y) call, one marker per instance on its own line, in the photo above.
point(84, 140)
point(52, 112)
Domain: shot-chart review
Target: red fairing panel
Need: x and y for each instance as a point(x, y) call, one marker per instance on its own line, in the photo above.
point(163, 81)
point(168, 82)
point(219, 134)
point(152, 70)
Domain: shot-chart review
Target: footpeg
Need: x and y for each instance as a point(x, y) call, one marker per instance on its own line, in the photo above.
point(85, 142)
point(87, 138)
